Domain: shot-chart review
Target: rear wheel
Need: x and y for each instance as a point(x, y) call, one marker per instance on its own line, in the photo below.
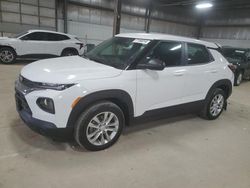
point(238, 78)
point(100, 126)
point(7, 55)
point(69, 52)
point(214, 105)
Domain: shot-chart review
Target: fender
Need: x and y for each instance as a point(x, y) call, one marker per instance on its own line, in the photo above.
point(70, 48)
point(8, 46)
point(224, 84)
point(119, 97)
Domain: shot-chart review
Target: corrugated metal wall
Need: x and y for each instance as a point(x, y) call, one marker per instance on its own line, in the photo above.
point(20, 15)
point(231, 28)
point(95, 24)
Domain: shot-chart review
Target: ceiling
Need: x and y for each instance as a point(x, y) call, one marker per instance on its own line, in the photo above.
point(218, 4)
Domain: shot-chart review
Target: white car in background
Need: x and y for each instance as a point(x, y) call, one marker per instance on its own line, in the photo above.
point(39, 44)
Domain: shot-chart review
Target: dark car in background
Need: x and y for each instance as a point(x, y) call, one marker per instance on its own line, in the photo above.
point(240, 57)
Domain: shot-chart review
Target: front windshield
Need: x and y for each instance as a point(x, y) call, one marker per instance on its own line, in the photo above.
point(118, 51)
point(19, 34)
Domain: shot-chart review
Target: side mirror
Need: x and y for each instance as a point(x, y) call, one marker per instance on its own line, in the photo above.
point(152, 64)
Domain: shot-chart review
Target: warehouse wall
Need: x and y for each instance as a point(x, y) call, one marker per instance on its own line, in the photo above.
point(230, 28)
point(19, 15)
point(93, 22)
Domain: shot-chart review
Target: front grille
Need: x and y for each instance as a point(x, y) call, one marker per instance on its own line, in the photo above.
point(21, 102)
point(27, 82)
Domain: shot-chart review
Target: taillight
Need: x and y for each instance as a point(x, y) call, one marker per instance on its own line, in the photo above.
point(81, 45)
point(232, 67)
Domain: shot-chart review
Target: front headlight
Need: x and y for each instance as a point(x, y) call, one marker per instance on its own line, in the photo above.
point(55, 86)
point(40, 85)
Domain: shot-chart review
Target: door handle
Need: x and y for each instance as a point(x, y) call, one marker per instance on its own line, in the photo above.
point(213, 71)
point(179, 72)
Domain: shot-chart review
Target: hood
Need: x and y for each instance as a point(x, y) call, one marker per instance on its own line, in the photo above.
point(6, 40)
point(67, 70)
point(3, 38)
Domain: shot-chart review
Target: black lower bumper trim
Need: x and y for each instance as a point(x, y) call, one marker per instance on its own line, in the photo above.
point(46, 128)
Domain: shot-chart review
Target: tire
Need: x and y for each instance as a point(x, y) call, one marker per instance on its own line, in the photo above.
point(7, 55)
point(69, 52)
point(238, 78)
point(96, 136)
point(211, 104)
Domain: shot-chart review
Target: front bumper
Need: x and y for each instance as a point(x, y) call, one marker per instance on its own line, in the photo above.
point(46, 128)
point(42, 127)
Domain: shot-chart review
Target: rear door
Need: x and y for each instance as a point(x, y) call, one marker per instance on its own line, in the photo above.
point(201, 72)
point(56, 43)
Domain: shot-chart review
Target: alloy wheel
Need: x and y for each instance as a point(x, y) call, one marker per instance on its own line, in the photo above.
point(102, 128)
point(239, 79)
point(6, 56)
point(217, 105)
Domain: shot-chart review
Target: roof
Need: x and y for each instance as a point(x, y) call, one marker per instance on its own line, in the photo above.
point(49, 31)
point(156, 36)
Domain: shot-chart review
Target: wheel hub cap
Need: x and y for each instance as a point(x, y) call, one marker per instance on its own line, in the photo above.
point(102, 128)
point(6, 56)
point(217, 104)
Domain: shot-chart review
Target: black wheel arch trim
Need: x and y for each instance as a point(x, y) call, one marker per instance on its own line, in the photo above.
point(117, 96)
point(69, 48)
point(224, 84)
point(6, 46)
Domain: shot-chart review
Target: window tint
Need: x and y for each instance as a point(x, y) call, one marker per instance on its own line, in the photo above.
point(43, 36)
point(169, 53)
point(57, 37)
point(197, 54)
point(40, 36)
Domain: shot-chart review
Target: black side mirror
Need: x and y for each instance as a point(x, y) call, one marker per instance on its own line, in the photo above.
point(152, 64)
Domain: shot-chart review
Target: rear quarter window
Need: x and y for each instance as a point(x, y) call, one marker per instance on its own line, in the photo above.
point(198, 54)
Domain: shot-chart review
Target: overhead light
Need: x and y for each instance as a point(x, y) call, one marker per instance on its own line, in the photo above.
point(204, 5)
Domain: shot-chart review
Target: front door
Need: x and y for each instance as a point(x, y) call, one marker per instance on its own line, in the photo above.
point(163, 88)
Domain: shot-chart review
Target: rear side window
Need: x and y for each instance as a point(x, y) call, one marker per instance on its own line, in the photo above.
point(197, 54)
point(39, 36)
point(57, 37)
point(168, 52)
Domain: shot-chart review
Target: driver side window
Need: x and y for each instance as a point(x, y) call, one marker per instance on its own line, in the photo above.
point(169, 53)
point(36, 36)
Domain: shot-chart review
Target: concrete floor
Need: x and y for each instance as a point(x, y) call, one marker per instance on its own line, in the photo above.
point(178, 152)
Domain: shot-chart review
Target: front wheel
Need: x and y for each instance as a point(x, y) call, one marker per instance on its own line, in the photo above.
point(100, 126)
point(214, 105)
point(7, 55)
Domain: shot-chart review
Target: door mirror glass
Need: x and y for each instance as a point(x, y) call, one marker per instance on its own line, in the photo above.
point(152, 64)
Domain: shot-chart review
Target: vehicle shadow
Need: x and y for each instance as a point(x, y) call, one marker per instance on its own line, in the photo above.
point(34, 140)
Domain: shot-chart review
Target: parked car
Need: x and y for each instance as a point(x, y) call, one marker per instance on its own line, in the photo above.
point(128, 77)
point(38, 44)
point(240, 57)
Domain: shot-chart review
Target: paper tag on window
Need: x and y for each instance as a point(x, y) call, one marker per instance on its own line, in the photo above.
point(141, 41)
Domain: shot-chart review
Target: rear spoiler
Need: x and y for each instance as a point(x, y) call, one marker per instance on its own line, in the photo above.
point(219, 48)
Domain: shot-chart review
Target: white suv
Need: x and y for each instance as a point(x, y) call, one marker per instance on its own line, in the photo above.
point(129, 77)
point(38, 44)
